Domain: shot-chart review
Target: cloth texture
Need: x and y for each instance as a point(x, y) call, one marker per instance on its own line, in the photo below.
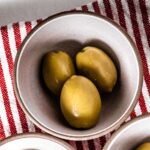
point(132, 15)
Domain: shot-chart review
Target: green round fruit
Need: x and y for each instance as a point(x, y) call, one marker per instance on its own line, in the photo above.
point(80, 102)
point(98, 67)
point(144, 146)
point(57, 68)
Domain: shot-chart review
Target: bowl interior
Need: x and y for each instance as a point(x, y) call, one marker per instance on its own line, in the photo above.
point(71, 33)
point(131, 135)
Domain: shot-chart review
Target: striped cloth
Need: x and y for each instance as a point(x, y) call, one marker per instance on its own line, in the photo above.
point(132, 15)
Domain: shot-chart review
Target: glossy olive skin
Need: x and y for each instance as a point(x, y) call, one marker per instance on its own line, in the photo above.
point(98, 67)
point(57, 68)
point(144, 146)
point(80, 102)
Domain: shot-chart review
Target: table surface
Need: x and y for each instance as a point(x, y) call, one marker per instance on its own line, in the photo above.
point(18, 10)
point(132, 15)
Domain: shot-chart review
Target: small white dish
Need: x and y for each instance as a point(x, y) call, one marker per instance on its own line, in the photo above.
point(34, 141)
point(130, 135)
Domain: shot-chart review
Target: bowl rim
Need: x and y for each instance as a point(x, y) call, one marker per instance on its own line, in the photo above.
point(122, 118)
point(37, 135)
point(123, 127)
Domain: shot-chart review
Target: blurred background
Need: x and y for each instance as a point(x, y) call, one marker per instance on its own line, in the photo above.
point(18, 10)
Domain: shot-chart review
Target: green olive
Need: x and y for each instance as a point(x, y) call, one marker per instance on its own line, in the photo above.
point(98, 67)
point(80, 102)
point(57, 68)
point(144, 146)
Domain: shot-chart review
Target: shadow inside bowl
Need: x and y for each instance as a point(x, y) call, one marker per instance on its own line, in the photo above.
point(72, 48)
point(145, 140)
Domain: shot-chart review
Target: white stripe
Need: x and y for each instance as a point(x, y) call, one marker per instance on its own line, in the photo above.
point(147, 3)
point(33, 24)
point(23, 31)
point(129, 28)
point(143, 34)
point(128, 119)
point(13, 48)
point(85, 145)
point(4, 117)
point(107, 136)
point(130, 31)
point(137, 109)
point(9, 87)
point(90, 7)
point(12, 41)
point(114, 10)
point(30, 125)
point(127, 19)
point(79, 8)
point(141, 29)
point(97, 144)
point(146, 96)
point(102, 7)
point(23, 34)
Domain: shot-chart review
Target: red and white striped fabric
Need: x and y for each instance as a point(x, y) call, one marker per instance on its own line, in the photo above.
point(132, 15)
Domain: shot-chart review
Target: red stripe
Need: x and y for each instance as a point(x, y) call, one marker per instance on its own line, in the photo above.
point(102, 141)
point(7, 102)
point(17, 35)
point(4, 32)
point(133, 114)
point(91, 145)
point(39, 20)
point(145, 19)
point(28, 27)
point(2, 133)
point(84, 8)
point(96, 7)
point(73, 10)
point(139, 42)
point(22, 117)
point(20, 111)
point(123, 24)
point(121, 14)
point(37, 129)
point(72, 143)
point(108, 9)
point(142, 104)
point(79, 145)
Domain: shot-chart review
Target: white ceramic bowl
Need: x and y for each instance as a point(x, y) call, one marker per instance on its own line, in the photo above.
point(71, 32)
point(130, 135)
